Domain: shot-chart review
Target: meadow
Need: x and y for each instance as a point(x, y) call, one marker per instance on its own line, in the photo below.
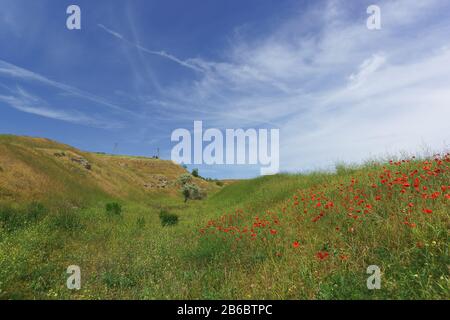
point(288, 236)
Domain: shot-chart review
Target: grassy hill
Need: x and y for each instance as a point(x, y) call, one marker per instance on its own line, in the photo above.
point(41, 169)
point(279, 237)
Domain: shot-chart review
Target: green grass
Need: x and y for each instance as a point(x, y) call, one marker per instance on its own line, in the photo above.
point(137, 255)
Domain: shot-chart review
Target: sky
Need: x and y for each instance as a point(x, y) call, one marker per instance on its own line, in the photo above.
point(138, 70)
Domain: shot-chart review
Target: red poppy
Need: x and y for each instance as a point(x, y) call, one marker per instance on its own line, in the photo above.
point(416, 183)
point(435, 195)
point(273, 231)
point(322, 255)
point(427, 211)
point(296, 244)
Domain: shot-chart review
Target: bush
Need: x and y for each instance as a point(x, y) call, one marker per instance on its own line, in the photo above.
point(113, 209)
point(192, 191)
point(219, 183)
point(168, 219)
point(195, 173)
point(185, 178)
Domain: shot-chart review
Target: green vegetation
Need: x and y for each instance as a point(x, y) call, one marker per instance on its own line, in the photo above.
point(190, 190)
point(113, 209)
point(168, 219)
point(266, 238)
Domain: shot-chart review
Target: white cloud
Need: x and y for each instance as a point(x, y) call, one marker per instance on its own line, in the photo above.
point(339, 92)
point(367, 68)
point(11, 70)
point(22, 100)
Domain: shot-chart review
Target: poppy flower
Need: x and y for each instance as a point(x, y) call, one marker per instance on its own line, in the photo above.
point(296, 244)
point(435, 195)
point(427, 211)
point(273, 231)
point(322, 255)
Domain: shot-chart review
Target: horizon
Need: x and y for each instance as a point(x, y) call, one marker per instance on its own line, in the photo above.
point(136, 72)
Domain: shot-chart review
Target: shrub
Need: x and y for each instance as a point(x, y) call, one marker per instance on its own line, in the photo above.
point(186, 192)
point(195, 173)
point(185, 178)
point(113, 209)
point(167, 218)
point(219, 183)
point(192, 191)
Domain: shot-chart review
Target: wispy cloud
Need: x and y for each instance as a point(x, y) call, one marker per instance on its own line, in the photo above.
point(332, 90)
point(24, 101)
point(14, 71)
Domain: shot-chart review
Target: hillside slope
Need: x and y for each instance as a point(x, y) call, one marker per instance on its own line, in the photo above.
point(39, 169)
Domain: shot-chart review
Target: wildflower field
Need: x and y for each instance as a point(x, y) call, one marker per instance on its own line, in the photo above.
point(308, 236)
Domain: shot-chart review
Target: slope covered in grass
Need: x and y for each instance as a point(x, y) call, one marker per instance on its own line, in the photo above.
point(280, 237)
point(36, 168)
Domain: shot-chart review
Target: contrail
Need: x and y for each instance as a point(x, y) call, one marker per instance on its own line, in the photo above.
point(153, 52)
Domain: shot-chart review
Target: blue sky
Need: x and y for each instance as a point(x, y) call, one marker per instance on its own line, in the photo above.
point(137, 70)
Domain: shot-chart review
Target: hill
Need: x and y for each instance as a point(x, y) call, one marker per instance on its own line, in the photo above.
point(41, 169)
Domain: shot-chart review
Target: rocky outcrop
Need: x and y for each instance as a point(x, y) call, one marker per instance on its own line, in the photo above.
point(159, 182)
point(82, 161)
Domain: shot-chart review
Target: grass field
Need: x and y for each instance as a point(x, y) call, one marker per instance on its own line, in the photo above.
point(279, 237)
